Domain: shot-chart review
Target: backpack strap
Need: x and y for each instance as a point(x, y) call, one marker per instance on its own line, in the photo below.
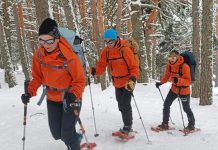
point(121, 57)
point(65, 66)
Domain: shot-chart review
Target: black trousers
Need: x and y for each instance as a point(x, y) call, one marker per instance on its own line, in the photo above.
point(124, 104)
point(185, 99)
point(62, 125)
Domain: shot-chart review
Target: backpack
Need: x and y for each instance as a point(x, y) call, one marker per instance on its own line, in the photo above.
point(130, 43)
point(189, 59)
point(75, 42)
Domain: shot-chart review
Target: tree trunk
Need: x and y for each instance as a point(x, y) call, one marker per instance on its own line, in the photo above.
point(67, 4)
point(7, 24)
point(20, 39)
point(41, 10)
point(216, 58)
point(206, 95)
point(9, 73)
point(150, 40)
point(30, 28)
point(119, 16)
point(196, 46)
point(138, 36)
point(103, 80)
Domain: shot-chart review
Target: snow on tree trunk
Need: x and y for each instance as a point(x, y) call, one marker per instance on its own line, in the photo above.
point(42, 10)
point(119, 16)
point(67, 5)
point(9, 73)
point(216, 58)
point(7, 24)
point(206, 95)
point(196, 39)
point(138, 35)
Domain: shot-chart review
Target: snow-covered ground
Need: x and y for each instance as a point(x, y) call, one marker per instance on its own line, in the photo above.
point(108, 119)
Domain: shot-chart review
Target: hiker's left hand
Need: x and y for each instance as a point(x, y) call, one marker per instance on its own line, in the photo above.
point(175, 80)
point(130, 84)
point(91, 71)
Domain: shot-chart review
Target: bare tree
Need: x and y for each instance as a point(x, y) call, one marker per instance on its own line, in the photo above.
point(20, 38)
point(138, 35)
point(41, 10)
point(67, 5)
point(196, 39)
point(119, 16)
point(9, 73)
point(206, 97)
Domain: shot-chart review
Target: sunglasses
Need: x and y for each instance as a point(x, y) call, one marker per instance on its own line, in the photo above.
point(49, 42)
point(109, 42)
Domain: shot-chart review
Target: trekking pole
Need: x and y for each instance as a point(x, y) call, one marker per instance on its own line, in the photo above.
point(149, 142)
point(25, 114)
point(93, 112)
point(163, 101)
point(90, 90)
point(88, 145)
point(182, 115)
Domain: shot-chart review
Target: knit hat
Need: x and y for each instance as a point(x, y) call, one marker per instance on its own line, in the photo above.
point(49, 27)
point(110, 34)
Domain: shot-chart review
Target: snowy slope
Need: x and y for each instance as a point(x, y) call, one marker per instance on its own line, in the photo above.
point(108, 119)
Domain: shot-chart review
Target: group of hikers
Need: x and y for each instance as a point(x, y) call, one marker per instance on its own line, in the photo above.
point(56, 67)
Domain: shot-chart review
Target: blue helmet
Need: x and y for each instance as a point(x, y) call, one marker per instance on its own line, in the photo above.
point(110, 34)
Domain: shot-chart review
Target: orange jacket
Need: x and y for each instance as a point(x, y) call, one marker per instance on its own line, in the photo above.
point(119, 70)
point(72, 76)
point(184, 81)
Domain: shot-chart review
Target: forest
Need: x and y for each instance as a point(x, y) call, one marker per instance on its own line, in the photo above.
point(157, 26)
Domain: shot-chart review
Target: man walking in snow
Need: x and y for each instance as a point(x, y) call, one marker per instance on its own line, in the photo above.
point(56, 67)
point(124, 71)
point(180, 87)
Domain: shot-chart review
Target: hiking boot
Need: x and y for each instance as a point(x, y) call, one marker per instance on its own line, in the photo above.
point(190, 127)
point(126, 129)
point(163, 126)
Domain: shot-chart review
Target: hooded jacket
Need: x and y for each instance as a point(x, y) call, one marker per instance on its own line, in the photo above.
point(70, 77)
point(184, 81)
point(121, 68)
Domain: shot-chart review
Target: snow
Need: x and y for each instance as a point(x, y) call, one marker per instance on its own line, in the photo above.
point(108, 119)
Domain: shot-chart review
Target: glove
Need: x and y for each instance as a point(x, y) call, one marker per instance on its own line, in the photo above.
point(70, 99)
point(175, 80)
point(157, 84)
point(25, 98)
point(91, 71)
point(130, 84)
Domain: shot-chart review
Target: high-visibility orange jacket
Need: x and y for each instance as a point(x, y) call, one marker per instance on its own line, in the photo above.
point(184, 81)
point(70, 77)
point(121, 68)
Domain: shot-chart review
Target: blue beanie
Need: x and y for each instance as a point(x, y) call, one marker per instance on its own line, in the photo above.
point(110, 34)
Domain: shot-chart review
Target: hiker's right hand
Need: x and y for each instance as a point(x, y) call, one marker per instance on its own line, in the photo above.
point(91, 71)
point(157, 84)
point(25, 98)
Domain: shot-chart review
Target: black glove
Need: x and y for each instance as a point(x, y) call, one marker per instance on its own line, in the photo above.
point(130, 84)
point(157, 84)
point(25, 98)
point(91, 71)
point(70, 99)
point(175, 79)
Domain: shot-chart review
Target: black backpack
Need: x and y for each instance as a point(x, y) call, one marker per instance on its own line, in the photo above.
point(189, 59)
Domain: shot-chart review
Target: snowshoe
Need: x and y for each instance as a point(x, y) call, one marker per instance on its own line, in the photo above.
point(88, 146)
point(188, 131)
point(124, 136)
point(159, 129)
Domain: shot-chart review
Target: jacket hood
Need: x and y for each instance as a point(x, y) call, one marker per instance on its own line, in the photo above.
point(179, 61)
